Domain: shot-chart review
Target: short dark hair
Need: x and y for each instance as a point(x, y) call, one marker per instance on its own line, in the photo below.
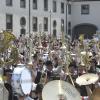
point(48, 62)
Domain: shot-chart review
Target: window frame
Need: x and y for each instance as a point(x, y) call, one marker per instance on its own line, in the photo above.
point(9, 3)
point(62, 27)
point(35, 25)
point(54, 6)
point(11, 22)
point(22, 21)
point(85, 11)
point(46, 5)
point(23, 31)
point(45, 24)
point(35, 5)
point(69, 9)
point(22, 3)
point(62, 7)
point(9, 25)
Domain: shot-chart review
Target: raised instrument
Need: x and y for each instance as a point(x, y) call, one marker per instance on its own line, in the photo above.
point(60, 90)
point(87, 79)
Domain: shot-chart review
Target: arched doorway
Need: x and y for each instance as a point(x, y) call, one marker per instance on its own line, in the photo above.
point(87, 29)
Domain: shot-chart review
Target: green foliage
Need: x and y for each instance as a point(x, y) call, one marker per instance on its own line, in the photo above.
point(5, 42)
point(14, 54)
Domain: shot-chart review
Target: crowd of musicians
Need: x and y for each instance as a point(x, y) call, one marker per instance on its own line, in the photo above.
point(53, 62)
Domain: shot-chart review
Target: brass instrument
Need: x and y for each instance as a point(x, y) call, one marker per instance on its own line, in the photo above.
point(43, 79)
point(86, 80)
point(67, 57)
point(84, 53)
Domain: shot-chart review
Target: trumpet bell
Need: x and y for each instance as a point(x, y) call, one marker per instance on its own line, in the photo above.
point(87, 79)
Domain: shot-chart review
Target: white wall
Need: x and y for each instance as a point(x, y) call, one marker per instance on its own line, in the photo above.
point(92, 18)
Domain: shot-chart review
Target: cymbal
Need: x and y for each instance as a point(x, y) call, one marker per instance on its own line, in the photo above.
point(60, 90)
point(87, 79)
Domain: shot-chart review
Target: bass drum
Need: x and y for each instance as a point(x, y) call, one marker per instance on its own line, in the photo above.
point(22, 80)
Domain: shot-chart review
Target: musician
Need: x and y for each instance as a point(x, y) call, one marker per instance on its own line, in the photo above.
point(7, 82)
point(58, 71)
point(93, 66)
point(38, 92)
point(49, 67)
point(83, 90)
point(39, 70)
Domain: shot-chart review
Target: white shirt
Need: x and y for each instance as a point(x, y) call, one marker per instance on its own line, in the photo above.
point(28, 98)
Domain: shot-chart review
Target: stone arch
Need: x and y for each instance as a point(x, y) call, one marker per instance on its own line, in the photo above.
point(84, 28)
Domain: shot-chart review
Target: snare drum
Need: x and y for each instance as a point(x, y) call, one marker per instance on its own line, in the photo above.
point(21, 80)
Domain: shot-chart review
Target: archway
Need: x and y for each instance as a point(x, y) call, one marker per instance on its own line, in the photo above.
point(85, 28)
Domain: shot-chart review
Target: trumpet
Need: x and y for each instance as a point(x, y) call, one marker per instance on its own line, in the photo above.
point(43, 79)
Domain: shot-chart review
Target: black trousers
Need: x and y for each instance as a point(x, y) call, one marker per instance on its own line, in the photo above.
point(9, 88)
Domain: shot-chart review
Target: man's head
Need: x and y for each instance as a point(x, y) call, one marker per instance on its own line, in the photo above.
point(49, 65)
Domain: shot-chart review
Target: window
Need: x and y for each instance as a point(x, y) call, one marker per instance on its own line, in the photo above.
point(23, 31)
point(9, 22)
point(45, 5)
point(69, 27)
point(62, 25)
point(54, 6)
point(54, 33)
point(8, 2)
point(62, 7)
point(22, 21)
point(69, 24)
point(34, 4)
point(69, 9)
point(22, 3)
point(85, 9)
point(40, 27)
point(45, 24)
point(34, 24)
point(69, 31)
point(54, 23)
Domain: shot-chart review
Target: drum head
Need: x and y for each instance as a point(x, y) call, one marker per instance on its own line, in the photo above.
point(26, 81)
